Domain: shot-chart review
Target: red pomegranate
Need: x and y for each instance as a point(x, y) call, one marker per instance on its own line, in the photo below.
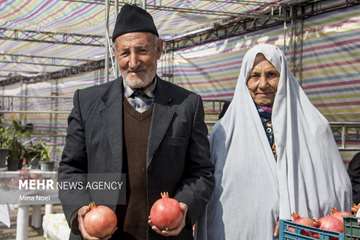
point(331, 223)
point(340, 215)
point(355, 208)
point(166, 213)
point(100, 221)
point(309, 222)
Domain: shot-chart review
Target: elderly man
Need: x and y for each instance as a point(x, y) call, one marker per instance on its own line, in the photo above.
point(141, 126)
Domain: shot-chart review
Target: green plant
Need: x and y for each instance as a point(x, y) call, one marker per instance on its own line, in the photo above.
point(4, 138)
point(14, 132)
point(37, 151)
point(12, 136)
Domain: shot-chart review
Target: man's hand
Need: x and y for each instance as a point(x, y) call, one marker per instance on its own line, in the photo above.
point(80, 217)
point(172, 232)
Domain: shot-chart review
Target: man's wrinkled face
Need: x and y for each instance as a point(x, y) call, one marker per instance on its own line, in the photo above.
point(137, 54)
point(263, 81)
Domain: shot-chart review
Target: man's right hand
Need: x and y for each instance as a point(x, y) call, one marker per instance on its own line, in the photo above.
point(80, 217)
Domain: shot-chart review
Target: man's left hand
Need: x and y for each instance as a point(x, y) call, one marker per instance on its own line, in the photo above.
point(175, 231)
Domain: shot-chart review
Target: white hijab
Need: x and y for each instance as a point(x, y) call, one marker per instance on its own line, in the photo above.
point(252, 189)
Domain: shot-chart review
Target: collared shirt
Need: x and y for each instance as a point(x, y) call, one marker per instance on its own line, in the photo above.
point(140, 99)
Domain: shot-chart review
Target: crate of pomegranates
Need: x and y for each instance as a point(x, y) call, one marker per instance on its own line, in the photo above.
point(352, 228)
point(328, 227)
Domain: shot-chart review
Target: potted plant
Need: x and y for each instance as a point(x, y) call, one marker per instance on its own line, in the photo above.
point(32, 155)
point(11, 137)
point(46, 164)
point(4, 146)
point(37, 156)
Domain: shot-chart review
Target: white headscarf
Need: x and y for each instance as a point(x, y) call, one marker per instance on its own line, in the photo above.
point(253, 189)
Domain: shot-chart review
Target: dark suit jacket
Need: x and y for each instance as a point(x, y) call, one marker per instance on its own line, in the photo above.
point(178, 150)
point(354, 174)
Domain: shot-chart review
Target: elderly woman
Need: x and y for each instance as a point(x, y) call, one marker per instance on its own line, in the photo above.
point(274, 155)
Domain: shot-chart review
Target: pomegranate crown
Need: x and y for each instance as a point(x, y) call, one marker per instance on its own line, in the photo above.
point(164, 195)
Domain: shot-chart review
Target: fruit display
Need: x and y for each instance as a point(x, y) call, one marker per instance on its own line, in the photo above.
point(309, 222)
point(331, 226)
point(331, 223)
point(340, 215)
point(334, 221)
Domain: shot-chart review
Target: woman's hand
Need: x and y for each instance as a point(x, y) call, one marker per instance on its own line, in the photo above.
point(276, 229)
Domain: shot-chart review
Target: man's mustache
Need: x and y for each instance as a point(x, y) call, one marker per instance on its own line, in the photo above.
point(136, 71)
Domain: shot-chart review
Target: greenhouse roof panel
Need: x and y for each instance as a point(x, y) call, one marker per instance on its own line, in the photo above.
point(52, 30)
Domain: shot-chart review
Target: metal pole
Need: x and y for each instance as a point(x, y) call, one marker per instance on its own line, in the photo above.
point(285, 28)
point(52, 116)
point(106, 41)
point(301, 47)
point(55, 139)
point(116, 7)
point(343, 135)
point(26, 93)
point(292, 41)
point(2, 101)
point(22, 101)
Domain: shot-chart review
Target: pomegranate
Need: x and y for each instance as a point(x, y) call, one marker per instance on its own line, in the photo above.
point(309, 222)
point(166, 213)
point(340, 215)
point(355, 208)
point(331, 223)
point(100, 221)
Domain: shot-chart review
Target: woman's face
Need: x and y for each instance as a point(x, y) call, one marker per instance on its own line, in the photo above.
point(263, 81)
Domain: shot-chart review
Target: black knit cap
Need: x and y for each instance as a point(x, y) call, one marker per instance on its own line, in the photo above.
point(133, 19)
